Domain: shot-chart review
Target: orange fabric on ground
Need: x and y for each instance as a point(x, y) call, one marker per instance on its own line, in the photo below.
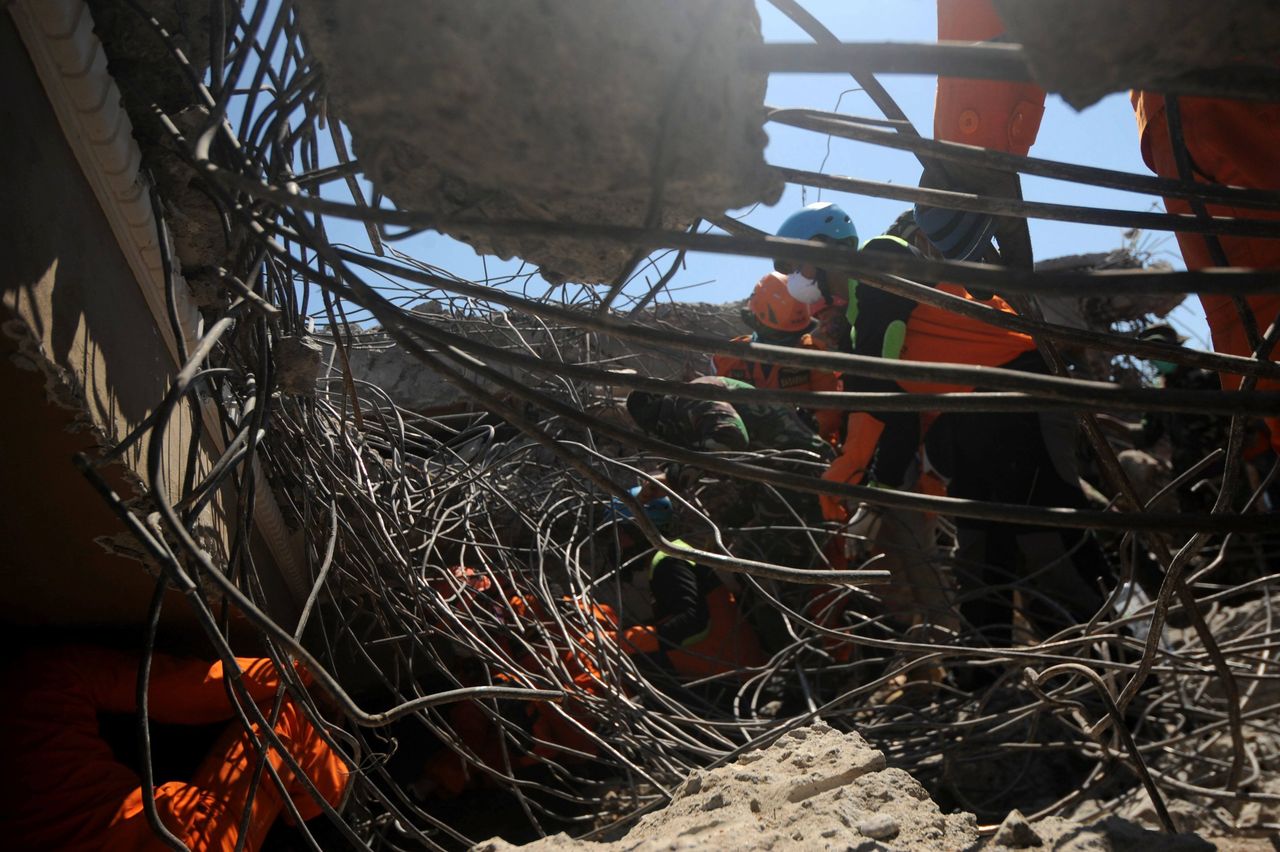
point(64, 789)
point(775, 377)
point(1236, 143)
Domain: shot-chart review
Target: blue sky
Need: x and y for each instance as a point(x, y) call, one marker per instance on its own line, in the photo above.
point(1103, 135)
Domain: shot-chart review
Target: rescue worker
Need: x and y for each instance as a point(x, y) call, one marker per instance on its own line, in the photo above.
point(1233, 143)
point(1023, 457)
point(683, 618)
point(775, 525)
point(64, 788)
point(693, 627)
point(703, 424)
point(541, 644)
point(777, 317)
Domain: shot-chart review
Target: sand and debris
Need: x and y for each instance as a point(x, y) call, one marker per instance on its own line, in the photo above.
point(816, 788)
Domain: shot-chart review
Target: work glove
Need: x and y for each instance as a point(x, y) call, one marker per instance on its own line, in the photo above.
point(962, 235)
point(861, 534)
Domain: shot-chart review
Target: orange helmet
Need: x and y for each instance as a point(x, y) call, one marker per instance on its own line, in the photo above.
point(774, 307)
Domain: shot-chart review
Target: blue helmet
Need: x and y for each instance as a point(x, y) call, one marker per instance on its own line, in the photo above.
point(658, 510)
point(822, 219)
point(957, 234)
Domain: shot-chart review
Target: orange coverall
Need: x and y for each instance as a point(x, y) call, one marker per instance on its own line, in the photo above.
point(558, 738)
point(775, 377)
point(1234, 143)
point(728, 644)
point(930, 334)
point(64, 789)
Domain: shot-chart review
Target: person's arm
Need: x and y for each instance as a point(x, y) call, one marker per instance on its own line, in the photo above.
point(680, 613)
point(830, 420)
point(193, 692)
point(180, 691)
point(878, 449)
point(717, 425)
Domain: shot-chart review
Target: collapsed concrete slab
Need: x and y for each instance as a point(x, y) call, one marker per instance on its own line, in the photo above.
point(1140, 43)
point(567, 112)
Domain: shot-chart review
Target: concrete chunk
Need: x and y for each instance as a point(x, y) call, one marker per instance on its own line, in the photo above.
point(563, 112)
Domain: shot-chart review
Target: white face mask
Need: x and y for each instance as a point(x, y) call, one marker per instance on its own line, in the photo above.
point(803, 289)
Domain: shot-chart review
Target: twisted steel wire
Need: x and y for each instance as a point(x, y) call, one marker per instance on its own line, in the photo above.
point(523, 485)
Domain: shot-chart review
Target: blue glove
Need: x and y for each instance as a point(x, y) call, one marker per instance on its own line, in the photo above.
point(958, 234)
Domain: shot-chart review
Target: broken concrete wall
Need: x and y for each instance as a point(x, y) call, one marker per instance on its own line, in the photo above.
point(376, 359)
point(566, 112)
point(82, 363)
point(1085, 49)
point(139, 58)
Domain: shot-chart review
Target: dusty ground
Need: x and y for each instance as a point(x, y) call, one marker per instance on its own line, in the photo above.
point(819, 789)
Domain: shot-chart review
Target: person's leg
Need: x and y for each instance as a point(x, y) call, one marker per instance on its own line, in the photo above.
point(1028, 459)
point(920, 591)
point(1068, 564)
point(984, 568)
point(957, 452)
point(1235, 143)
point(207, 812)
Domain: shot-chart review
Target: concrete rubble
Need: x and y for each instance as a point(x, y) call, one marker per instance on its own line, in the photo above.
point(1145, 44)
point(568, 112)
point(376, 359)
point(816, 788)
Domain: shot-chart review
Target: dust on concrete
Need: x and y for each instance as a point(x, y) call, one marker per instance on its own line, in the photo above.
point(566, 112)
point(816, 788)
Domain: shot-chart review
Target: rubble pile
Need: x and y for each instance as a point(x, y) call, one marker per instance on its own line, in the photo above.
point(818, 789)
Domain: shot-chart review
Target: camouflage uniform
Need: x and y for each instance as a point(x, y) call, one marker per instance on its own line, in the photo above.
point(702, 424)
point(757, 427)
point(710, 424)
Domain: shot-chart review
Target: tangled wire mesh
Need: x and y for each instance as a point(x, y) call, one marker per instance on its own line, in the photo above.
point(467, 571)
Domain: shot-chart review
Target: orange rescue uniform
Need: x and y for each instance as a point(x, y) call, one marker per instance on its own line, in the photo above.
point(887, 325)
point(776, 377)
point(1234, 143)
point(64, 789)
point(555, 736)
